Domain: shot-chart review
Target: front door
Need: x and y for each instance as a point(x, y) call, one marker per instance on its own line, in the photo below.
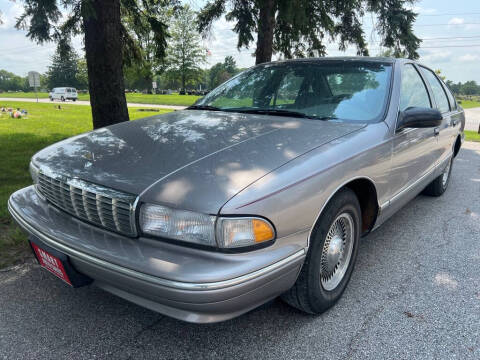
point(415, 151)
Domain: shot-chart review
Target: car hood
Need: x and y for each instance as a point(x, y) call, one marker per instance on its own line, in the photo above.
point(189, 159)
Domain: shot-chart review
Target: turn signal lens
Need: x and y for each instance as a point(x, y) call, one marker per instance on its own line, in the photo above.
point(242, 232)
point(262, 230)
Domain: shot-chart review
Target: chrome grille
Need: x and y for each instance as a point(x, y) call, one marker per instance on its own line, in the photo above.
point(101, 206)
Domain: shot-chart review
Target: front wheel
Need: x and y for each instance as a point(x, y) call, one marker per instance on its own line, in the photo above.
point(331, 256)
point(438, 186)
point(62, 98)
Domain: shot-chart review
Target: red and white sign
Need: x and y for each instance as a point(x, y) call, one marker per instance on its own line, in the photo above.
point(51, 263)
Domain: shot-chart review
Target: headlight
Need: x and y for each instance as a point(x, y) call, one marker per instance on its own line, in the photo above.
point(177, 224)
point(34, 173)
point(202, 229)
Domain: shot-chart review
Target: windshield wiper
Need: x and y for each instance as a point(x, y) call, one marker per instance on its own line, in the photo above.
point(203, 107)
point(327, 118)
point(276, 112)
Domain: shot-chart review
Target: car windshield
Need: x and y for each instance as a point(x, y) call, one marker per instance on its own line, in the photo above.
point(341, 90)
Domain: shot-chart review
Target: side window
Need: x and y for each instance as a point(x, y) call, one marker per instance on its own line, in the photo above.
point(451, 99)
point(413, 90)
point(288, 89)
point(437, 89)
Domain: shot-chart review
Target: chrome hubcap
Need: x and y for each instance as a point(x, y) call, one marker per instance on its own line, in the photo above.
point(337, 251)
point(446, 174)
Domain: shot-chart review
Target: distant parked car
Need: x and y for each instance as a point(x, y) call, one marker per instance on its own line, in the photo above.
point(262, 188)
point(63, 93)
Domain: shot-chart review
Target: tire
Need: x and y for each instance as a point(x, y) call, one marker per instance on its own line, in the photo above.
point(438, 186)
point(51, 99)
point(62, 98)
point(74, 100)
point(314, 292)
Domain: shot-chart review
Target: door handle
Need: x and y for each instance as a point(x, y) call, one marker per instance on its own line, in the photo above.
point(436, 131)
point(454, 122)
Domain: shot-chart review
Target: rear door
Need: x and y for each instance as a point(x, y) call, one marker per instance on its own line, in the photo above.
point(415, 151)
point(446, 131)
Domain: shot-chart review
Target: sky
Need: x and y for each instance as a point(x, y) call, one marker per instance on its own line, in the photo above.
point(450, 31)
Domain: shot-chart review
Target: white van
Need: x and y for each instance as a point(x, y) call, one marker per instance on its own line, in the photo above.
point(63, 93)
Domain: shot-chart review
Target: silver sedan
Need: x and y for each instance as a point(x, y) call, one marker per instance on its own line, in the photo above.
point(262, 188)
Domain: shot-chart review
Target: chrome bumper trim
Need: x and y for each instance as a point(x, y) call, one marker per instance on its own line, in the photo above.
point(149, 278)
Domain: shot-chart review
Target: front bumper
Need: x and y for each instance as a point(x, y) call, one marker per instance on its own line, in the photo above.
point(188, 284)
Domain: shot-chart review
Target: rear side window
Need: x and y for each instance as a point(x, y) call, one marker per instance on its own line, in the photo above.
point(437, 89)
point(413, 91)
point(451, 99)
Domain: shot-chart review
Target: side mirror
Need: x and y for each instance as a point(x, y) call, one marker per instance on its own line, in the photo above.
point(419, 117)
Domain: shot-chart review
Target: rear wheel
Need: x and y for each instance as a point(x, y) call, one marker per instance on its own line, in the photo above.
point(331, 256)
point(438, 186)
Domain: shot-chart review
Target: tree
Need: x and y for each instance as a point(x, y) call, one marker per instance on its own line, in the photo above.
point(230, 65)
point(138, 76)
point(221, 72)
point(82, 74)
point(12, 82)
point(63, 70)
point(185, 52)
point(439, 74)
point(470, 88)
point(108, 43)
point(299, 28)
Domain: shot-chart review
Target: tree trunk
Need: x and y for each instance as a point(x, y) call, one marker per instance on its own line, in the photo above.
point(103, 49)
point(266, 26)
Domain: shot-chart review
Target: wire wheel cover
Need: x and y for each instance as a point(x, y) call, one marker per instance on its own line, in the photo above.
point(337, 251)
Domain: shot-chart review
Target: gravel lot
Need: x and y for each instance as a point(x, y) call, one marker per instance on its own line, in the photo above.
point(415, 294)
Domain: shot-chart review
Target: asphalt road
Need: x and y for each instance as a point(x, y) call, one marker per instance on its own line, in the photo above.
point(415, 294)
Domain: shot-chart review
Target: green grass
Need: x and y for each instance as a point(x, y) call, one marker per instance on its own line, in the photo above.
point(26, 95)
point(468, 104)
point(173, 99)
point(472, 136)
point(19, 140)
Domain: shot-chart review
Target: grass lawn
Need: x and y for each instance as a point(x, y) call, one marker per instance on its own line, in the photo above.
point(26, 95)
point(20, 139)
point(468, 104)
point(472, 136)
point(173, 99)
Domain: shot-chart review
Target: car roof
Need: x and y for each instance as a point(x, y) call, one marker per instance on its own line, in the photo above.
point(342, 58)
